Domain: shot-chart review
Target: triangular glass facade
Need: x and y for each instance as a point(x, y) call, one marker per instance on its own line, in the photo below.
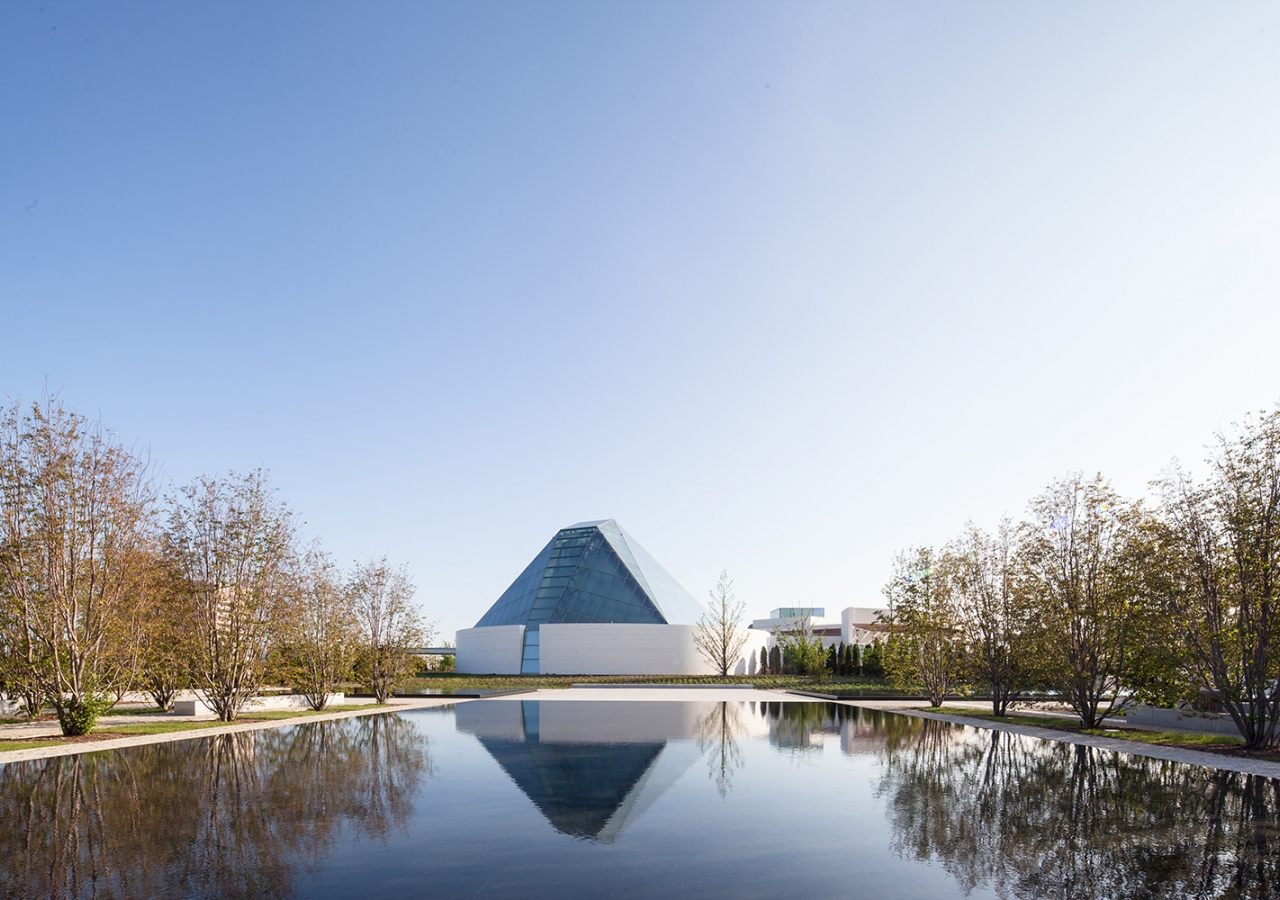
point(593, 572)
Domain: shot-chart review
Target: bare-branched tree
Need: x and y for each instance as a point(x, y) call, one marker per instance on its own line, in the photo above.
point(322, 633)
point(230, 542)
point(76, 513)
point(390, 625)
point(720, 636)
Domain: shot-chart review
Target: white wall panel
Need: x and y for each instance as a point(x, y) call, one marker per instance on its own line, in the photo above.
point(614, 649)
point(492, 650)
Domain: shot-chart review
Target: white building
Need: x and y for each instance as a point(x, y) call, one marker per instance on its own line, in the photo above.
point(593, 602)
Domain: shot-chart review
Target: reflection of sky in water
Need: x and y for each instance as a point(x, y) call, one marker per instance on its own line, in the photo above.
point(569, 799)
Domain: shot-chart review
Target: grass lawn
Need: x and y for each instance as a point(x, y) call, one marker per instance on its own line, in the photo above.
point(1067, 723)
point(30, 745)
point(167, 726)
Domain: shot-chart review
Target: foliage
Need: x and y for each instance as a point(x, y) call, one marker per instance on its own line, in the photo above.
point(800, 648)
point(322, 634)
point(390, 626)
point(75, 519)
point(926, 642)
point(719, 636)
point(80, 716)
point(1221, 585)
point(1085, 556)
point(230, 543)
point(993, 615)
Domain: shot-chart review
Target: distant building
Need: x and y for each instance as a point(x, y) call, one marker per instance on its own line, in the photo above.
point(593, 602)
point(857, 625)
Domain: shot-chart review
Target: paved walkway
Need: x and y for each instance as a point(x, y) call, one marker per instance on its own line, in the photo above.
point(1204, 758)
point(679, 693)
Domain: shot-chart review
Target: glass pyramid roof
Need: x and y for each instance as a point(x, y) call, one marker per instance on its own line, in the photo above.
point(594, 572)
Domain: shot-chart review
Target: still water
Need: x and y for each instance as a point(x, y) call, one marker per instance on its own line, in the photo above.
point(586, 799)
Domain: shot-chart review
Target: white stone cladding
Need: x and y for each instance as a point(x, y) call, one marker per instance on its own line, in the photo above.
point(620, 649)
point(492, 650)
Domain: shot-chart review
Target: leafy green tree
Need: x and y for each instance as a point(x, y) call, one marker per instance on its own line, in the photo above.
point(872, 656)
point(1086, 554)
point(926, 645)
point(1221, 542)
point(802, 649)
point(997, 622)
point(764, 660)
point(775, 660)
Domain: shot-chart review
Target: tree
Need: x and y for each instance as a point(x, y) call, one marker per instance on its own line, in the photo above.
point(775, 660)
point(801, 648)
point(764, 661)
point(720, 636)
point(75, 517)
point(1221, 541)
point(993, 614)
point(164, 648)
point(390, 626)
point(323, 636)
point(1085, 555)
point(926, 644)
point(872, 660)
point(230, 543)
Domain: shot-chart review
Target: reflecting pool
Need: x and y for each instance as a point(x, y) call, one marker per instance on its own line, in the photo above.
point(581, 798)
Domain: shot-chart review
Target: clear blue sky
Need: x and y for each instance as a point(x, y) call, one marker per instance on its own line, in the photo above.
point(782, 287)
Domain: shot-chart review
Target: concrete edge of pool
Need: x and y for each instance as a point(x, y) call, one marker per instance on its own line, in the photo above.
point(1203, 758)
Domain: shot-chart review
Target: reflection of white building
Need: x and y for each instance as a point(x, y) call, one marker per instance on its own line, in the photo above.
point(857, 625)
point(591, 768)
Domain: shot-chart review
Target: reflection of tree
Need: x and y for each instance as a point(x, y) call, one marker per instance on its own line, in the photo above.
point(718, 731)
point(799, 727)
point(230, 816)
point(1038, 819)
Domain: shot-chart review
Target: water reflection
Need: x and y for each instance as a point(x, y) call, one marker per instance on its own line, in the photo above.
point(230, 816)
point(1036, 819)
point(351, 809)
point(591, 768)
point(719, 731)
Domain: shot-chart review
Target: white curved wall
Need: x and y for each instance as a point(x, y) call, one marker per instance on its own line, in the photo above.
point(615, 649)
point(493, 650)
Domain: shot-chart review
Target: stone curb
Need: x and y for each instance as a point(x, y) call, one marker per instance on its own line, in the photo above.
point(137, 740)
point(1135, 748)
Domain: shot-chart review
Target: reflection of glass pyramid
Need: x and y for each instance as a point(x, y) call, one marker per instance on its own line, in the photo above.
point(594, 572)
point(587, 784)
